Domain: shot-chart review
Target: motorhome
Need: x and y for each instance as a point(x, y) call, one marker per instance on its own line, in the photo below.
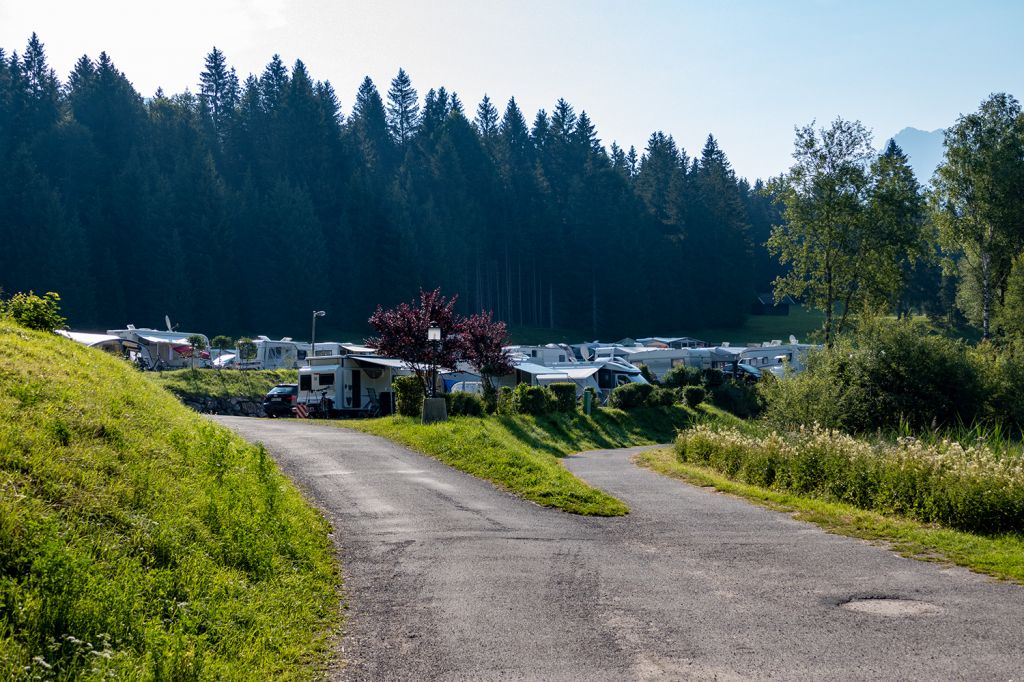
point(350, 385)
point(549, 354)
point(270, 354)
point(602, 375)
point(163, 349)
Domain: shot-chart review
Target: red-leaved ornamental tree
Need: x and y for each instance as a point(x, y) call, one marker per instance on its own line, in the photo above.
point(477, 339)
point(483, 342)
point(402, 333)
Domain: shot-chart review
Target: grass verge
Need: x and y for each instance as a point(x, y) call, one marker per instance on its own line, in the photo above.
point(138, 540)
point(222, 383)
point(521, 454)
point(1001, 556)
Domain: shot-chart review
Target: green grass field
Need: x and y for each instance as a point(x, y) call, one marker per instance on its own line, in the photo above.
point(138, 540)
point(521, 454)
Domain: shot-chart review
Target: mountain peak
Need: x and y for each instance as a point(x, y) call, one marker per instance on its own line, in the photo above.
point(923, 148)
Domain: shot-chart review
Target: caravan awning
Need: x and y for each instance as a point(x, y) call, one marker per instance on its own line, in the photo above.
point(177, 340)
point(393, 363)
point(89, 339)
point(551, 377)
point(582, 373)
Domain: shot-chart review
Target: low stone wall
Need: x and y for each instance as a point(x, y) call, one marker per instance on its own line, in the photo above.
point(237, 407)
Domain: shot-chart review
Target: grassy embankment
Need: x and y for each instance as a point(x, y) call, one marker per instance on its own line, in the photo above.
point(139, 540)
point(931, 500)
point(521, 454)
point(223, 383)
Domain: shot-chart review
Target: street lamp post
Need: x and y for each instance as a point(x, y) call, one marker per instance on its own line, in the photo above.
point(434, 338)
point(312, 350)
point(433, 407)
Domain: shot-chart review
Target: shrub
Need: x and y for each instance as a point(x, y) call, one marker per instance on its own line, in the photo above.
point(565, 396)
point(738, 397)
point(713, 378)
point(680, 376)
point(490, 396)
point(647, 374)
point(1001, 372)
point(629, 396)
point(973, 488)
point(504, 404)
point(887, 374)
point(409, 395)
point(535, 400)
point(462, 404)
point(661, 397)
point(41, 313)
point(694, 395)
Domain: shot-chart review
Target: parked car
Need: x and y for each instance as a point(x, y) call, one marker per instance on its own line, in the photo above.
point(744, 371)
point(280, 401)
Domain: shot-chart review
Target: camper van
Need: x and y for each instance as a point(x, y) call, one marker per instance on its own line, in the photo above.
point(350, 385)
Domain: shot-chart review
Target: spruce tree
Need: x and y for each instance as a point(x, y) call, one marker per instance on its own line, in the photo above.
point(403, 109)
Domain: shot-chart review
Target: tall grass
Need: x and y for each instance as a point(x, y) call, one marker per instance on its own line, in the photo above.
point(140, 541)
point(972, 487)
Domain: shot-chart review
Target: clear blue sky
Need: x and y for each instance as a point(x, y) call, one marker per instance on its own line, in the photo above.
point(746, 71)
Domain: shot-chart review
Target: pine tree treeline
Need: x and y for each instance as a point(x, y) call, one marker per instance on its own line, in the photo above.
point(245, 205)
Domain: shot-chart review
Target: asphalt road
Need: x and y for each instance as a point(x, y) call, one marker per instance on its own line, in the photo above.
point(449, 578)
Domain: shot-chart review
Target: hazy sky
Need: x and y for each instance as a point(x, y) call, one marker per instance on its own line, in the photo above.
point(746, 71)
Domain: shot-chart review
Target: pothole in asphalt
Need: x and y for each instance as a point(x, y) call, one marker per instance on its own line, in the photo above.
point(890, 606)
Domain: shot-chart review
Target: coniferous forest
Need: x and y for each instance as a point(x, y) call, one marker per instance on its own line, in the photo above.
point(246, 204)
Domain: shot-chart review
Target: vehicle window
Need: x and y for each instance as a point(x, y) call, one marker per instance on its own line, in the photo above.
point(306, 382)
point(325, 379)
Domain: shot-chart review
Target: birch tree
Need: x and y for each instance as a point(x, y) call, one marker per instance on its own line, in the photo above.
point(978, 203)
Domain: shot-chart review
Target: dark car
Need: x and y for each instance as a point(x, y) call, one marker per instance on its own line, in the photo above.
point(280, 401)
point(744, 372)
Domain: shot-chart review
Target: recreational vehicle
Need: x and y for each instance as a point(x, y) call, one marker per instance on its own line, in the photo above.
point(350, 385)
point(270, 354)
point(163, 350)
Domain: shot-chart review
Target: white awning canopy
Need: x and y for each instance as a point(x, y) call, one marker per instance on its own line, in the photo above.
point(176, 340)
point(88, 339)
point(394, 363)
point(552, 377)
point(582, 373)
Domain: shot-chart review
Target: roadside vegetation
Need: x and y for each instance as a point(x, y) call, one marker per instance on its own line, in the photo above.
point(140, 541)
point(895, 433)
point(999, 555)
point(521, 453)
point(222, 383)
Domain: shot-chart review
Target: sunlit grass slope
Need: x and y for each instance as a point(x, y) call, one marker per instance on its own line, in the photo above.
point(140, 541)
point(521, 453)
